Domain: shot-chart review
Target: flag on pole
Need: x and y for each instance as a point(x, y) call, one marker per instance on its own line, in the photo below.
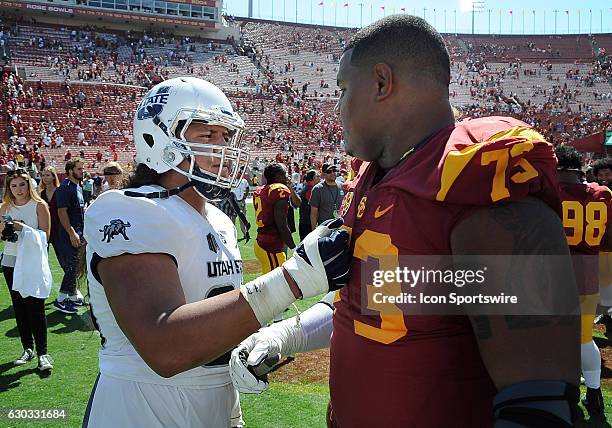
point(567, 12)
point(321, 4)
point(510, 12)
point(403, 9)
point(382, 8)
point(345, 5)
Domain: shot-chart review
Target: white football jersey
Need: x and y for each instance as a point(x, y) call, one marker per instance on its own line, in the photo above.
point(205, 251)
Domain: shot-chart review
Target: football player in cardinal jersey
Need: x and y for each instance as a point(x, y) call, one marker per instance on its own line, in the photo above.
point(271, 203)
point(165, 273)
point(430, 186)
point(602, 171)
point(587, 219)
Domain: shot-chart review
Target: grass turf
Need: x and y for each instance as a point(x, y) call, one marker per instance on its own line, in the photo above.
point(74, 345)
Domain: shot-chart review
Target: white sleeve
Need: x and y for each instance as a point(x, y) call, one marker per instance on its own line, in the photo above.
point(317, 326)
point(117, 224)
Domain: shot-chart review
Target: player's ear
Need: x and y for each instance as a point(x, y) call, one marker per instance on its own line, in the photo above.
point(383, 76)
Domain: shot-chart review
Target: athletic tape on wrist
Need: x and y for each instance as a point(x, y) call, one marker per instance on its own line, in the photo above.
point(268, 295)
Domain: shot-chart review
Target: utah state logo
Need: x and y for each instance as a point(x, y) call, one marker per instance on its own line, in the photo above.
point(153, 104)
point(116, 227)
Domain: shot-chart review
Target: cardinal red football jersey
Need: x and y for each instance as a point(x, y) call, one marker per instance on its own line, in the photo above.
point(396, 370)
point(264, 198)
point(586, 213)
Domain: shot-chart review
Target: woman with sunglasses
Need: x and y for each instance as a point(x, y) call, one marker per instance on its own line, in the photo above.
point(24, 206)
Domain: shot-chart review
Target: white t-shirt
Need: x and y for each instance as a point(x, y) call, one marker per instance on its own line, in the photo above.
point(206, 253)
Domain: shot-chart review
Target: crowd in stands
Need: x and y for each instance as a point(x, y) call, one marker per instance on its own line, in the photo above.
point(81, 87)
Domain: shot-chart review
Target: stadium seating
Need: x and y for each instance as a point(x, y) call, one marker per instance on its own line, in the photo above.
point(285, 87)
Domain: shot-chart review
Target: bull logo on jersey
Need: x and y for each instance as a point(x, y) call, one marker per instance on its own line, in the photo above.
point(116, 227)
point(346, 204)
point(154, 104)
point(212, 243)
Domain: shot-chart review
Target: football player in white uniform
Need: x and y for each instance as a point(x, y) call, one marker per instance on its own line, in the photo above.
point(165, 273)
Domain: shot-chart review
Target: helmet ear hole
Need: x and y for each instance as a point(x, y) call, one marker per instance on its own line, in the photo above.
point(148, 139)
point(179, 128)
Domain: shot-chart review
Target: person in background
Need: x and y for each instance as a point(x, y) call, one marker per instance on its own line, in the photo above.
point(71, 210)
point(113, 176)
point(22, 205)
point(579, 197)
point(326, 197)
point(602, 171)
point(87, 188)
point(311, 179)
point(97, 184)
point(241, 192)
point(271, 203)
point(49, 183)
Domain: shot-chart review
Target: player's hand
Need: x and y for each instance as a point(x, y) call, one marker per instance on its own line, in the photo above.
point(321, 262)
point(252, 360)
point(259, 353)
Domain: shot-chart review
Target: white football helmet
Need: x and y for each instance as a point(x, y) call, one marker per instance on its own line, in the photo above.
point(164, 115)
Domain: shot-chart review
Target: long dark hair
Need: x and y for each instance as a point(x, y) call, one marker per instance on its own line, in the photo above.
point(142, 176)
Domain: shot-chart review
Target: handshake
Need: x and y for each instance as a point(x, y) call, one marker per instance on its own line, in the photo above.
point(320, 264)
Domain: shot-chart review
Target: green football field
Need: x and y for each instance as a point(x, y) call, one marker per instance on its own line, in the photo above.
point(74, 344)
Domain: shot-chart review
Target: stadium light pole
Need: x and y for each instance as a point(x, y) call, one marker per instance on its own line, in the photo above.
point(477, 6)
point(296, 14)
point(555, 12)
point(533, 21)
point(567, 13)
point(455, 21)
point(578, 21)
point(272, 10)
point(360, 15)
point(445, 20)
point(590, 21)
point(601, 20)
point(284, 10)
point(489, 11)
point(523, 21)
point(500, 19)
point(259, 9)
point(335, 14)
point(435, 18)
point(323, 13)
point(425, 13)
point(347, 14)
point(310, 11)
point(544, 13)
